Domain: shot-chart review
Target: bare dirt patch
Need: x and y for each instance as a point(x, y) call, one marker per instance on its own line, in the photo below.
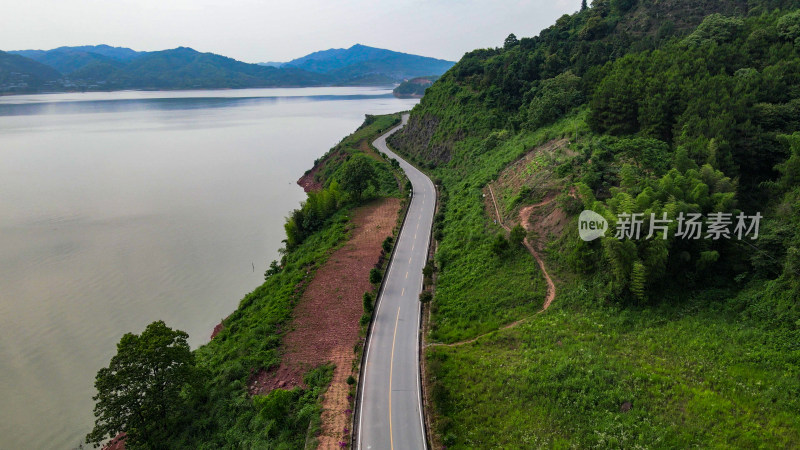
point(217, 329)
point(547, 220)
point(325, 327)
point(309, 181)
point(118, 443)
point(535, 171)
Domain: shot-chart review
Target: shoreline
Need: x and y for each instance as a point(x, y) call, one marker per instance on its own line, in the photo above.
point(87, 91)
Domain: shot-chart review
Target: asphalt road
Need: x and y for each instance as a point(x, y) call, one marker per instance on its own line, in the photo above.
point(391, 413)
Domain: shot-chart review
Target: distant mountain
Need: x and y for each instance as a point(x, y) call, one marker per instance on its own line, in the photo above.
point(20, 74)
point(183, 68)
point(103, 67)
point(70, 59)
point(360, 61)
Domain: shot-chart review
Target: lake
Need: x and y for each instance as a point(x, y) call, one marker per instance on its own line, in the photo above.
point(118, 209)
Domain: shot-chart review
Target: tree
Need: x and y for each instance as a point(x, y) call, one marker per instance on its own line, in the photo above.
point(274, 268)
point(584, 6)
point(554, 98)
point(357, 175)
point(510, 41)
point(517, 235)
point(139, 393)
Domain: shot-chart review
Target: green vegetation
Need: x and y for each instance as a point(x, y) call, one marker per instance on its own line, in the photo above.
point(650, 342)
point(213, 408)
point(20, 74)
point(313, 214)
point(670, 376)
point(140, 390)
point(414, 87)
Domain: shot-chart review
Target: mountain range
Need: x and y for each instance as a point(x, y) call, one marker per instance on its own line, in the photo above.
point(103, 67)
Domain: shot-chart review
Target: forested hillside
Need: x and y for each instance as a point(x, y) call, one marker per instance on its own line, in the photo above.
point(667, 108)
point(360, 61)
point(20, 73)
point(69, 59)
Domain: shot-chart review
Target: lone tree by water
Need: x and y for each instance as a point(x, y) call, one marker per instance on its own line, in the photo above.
point(139, 393)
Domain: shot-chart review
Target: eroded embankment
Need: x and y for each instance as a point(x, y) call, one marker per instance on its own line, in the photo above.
point(325, 327)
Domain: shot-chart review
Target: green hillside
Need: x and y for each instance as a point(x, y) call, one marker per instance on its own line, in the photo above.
point(183, 68)
point(67, 60)
point(626, 107)
point(20, 74)
point(102, 67)
point(360, 61)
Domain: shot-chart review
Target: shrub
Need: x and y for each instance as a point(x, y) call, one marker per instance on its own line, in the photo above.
point(517, 236)
point(368, 302)
point(429, 269)
point(375, 276)
point(387, 244)
point(500, 245)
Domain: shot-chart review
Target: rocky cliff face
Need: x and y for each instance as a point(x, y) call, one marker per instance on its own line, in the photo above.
point(416, 140)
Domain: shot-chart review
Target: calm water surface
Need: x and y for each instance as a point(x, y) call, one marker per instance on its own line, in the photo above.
point(117, 209)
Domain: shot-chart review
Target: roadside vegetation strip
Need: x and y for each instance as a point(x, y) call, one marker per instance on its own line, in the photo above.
point(326, 325)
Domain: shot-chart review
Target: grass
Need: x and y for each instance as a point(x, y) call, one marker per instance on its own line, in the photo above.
point(699, 371)
point(696, 374)
point(478, 291)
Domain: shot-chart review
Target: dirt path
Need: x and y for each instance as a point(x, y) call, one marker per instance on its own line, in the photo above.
point(524, 214)
point(325, 327)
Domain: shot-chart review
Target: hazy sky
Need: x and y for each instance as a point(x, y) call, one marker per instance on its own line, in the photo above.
point(266, 30)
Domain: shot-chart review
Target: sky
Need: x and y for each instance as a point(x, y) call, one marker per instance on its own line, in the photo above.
point(268, 30)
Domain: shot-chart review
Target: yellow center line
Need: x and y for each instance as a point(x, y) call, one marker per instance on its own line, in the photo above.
point(391, 368)
point(406, 274)
point(403, 293)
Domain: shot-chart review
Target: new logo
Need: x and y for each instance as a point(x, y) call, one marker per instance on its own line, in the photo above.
point(591, 225)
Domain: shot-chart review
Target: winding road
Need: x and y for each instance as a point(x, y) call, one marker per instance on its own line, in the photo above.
point(390, 414)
